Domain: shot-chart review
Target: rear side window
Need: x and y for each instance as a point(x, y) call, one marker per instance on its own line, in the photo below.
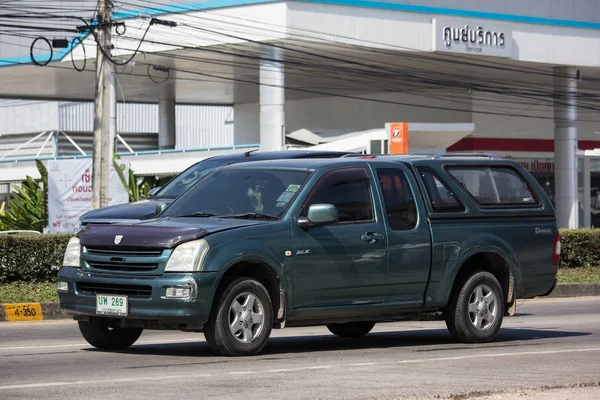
point(400, 207)
point(441, 198)
point(494, 186)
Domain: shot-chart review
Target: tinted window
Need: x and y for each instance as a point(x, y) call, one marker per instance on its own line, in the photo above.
point(187, 178)
point(348, 190)
point(240, 191)
point(494, 185)
point(400, 207)
point(441, 198)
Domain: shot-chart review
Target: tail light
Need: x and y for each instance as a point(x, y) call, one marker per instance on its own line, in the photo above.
point(556, 250)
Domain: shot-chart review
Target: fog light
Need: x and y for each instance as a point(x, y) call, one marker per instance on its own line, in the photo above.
point(179, 292)
point(62, 286)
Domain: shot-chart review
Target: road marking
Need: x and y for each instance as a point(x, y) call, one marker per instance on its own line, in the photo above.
point(104, 381)
point(85, 344)
point(524, 353)
point(315, 367)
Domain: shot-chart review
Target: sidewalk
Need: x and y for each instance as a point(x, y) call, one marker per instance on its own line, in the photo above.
point(586, 393)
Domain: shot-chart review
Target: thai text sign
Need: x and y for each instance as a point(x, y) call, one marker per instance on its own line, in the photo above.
point(471, 37)
point(70, 192)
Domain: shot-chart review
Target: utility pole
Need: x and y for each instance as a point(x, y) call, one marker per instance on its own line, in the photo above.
point(101, 154)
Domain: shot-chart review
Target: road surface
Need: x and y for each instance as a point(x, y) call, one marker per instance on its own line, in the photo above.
point(549, 343)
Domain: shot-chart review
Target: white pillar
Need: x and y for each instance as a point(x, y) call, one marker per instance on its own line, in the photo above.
point(587, 193)
point(246, 123)
point(565, 146)
point(166, 124)
point(272, 99)
point(112, 127)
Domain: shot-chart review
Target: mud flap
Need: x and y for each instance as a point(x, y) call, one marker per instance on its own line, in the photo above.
point(511, 305)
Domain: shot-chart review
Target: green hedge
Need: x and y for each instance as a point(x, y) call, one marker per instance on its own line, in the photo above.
point(580, 248)
point(31, 258)
point(37, 258)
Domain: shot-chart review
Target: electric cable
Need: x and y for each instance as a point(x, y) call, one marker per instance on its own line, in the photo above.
point(42, 64)
point(84, 54)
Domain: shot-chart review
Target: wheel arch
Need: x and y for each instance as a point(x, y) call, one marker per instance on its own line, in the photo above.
point(263, 272)
point(487, 261)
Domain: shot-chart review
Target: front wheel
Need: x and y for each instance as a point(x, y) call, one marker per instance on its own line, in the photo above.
point(476, 309)
point(242, 319)
point(351, 329)
point(100, 334)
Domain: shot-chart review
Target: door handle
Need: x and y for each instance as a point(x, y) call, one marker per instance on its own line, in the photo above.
point(372, 237)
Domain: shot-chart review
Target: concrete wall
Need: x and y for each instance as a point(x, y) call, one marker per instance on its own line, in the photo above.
point(349, 115)
point(520, 127)
point(383, 27)
point(578, 10)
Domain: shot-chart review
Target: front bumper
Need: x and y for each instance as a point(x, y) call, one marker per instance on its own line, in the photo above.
point(148, 306)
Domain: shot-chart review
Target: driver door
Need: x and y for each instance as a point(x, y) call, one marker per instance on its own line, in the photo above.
point(340, 264)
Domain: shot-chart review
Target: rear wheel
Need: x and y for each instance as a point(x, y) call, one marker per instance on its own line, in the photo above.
point(351, 329)
point(476, 309)
point(100, 334)
point(242, 319)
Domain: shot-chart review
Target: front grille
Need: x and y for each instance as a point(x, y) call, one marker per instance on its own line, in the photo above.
point(129, 267)
point(116, 251)
point(107, 288)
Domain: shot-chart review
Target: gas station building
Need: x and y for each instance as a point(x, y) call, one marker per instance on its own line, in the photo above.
point(517, 79)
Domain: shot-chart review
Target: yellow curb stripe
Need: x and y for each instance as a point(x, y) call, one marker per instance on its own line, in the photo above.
point(23, 312)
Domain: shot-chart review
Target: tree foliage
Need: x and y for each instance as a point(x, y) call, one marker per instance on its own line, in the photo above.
point(27, 209)
point(137, 188)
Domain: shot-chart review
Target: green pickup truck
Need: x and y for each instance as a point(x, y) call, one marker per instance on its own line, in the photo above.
point(345, 243)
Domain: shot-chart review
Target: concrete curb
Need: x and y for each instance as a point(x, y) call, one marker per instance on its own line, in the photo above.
point(51, 311)
point(576, 290)
point(31, 312)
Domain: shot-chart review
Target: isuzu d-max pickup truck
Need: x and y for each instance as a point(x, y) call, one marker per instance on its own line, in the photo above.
point(346, 243)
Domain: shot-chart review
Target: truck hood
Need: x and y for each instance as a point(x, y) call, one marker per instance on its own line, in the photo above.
point(136, 211)
point(161, 233)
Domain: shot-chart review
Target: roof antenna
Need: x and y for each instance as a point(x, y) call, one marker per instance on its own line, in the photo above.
point(247, 154)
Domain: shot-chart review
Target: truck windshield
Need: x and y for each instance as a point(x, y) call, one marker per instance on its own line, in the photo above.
point(187, 178)
point(240, 193)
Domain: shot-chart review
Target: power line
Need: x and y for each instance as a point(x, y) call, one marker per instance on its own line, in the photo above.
point(376, 76)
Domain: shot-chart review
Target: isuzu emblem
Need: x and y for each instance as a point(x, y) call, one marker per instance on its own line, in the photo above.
point(118, 239)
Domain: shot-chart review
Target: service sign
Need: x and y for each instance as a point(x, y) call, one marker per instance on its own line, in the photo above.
point(70, 192)
point(471, 37)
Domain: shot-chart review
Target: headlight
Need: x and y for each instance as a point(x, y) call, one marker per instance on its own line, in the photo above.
point(72, 256)
point(188, 257)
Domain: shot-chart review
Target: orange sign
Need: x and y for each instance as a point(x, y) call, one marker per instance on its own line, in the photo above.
point(398, 132)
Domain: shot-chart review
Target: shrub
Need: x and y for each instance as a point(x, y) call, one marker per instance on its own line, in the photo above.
point(580, 248)
point(37, 258)
point(21, 292)
point(31, 258)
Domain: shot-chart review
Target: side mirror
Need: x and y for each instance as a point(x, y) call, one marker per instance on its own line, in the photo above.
point(319, 215)
point(159, 208)
point(153, 191)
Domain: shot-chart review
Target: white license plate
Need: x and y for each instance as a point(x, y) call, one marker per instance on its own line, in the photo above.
point(111, 305)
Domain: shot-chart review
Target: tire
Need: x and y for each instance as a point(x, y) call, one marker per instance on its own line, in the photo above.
point(471, 318)
point(246, 336)
point(99, 334)
point(351, 329)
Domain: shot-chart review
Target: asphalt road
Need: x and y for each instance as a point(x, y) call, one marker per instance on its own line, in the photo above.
point(548, 343)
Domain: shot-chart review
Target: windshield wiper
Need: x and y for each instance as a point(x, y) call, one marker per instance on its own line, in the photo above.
point(199, 215)
point(252, 216)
